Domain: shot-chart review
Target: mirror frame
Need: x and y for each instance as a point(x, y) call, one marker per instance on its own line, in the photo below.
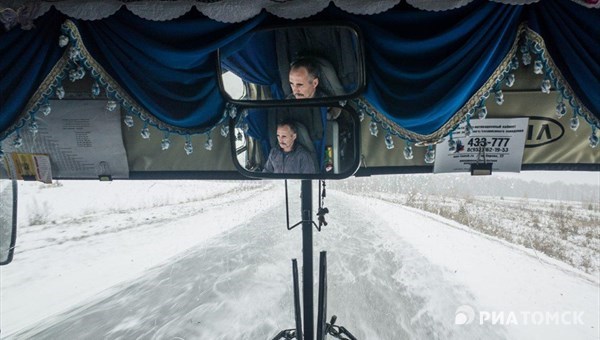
point(13, 236)
point(362, 79)
point(352, 169)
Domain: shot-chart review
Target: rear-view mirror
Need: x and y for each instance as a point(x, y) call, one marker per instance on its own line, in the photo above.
point(314, 63)
point(296, 142)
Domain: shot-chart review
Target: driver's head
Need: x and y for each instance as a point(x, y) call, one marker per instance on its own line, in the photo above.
point(286, 135)
point(304, 78)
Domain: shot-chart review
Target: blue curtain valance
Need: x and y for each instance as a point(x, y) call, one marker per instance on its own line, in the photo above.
point(27, 58)
point(422, 67)
point(169, 68)
point(571, 35)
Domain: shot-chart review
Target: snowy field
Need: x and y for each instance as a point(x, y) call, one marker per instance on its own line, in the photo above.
point(211, 260)
point(565, 230)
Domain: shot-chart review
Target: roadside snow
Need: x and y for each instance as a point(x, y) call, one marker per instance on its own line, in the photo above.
point(502, 277)
point(103, 234)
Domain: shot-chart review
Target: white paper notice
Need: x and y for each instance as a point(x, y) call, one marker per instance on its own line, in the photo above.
point(497, 141)
point(80, 137)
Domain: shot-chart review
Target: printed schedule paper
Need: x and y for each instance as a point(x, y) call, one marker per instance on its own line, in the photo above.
point(497, 141)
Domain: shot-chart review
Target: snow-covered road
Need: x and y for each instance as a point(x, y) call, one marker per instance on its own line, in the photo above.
point(393, 273)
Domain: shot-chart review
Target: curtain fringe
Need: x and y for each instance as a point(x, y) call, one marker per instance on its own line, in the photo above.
point(477, 101)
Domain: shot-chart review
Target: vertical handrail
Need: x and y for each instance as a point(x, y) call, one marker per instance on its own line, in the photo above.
point(307, 260)
point(322, 313)
point(297, 310)
point(287, 208)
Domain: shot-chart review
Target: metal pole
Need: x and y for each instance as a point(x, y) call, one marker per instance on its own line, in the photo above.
point(297, 309)
point(307, 260)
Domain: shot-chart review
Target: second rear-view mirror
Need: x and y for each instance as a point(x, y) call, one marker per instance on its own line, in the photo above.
point(296, 142)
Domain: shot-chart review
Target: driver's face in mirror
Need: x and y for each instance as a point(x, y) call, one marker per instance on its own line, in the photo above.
point(304, 79)
point(285, 64)
point(285, 137)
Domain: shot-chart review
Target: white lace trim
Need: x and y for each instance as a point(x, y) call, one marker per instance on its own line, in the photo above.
point(231, 11)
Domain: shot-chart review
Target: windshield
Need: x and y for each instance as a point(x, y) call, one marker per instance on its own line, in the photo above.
point(409, 257)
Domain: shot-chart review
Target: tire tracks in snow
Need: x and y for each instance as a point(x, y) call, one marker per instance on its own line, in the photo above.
point(380, 287)
point(237, 285)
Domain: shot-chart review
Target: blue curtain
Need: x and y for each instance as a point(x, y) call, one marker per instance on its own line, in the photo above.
point(168, 67)
point(27, 57)
point(258, 127)
point(571, 34)
point(422, 67)
point(255, 53)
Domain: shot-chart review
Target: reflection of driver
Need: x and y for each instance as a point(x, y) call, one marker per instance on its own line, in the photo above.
point(290, 157)
point(304, 79)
